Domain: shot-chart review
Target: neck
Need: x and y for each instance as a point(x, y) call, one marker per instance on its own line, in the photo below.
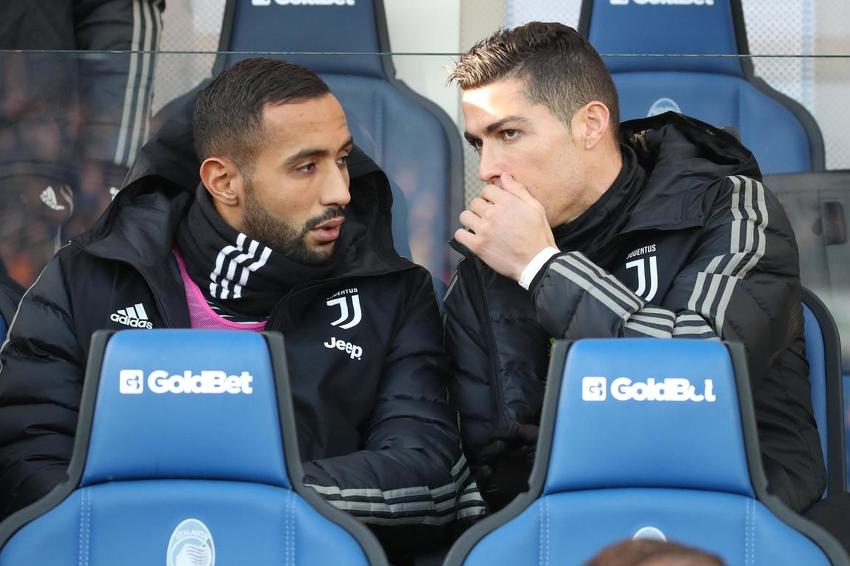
point(600, 174)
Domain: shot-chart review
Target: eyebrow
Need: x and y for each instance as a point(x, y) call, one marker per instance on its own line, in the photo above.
point(315, 152)
point(495, 126)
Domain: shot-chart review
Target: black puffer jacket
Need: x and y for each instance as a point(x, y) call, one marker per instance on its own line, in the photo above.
point(375, 430)
point(686, 243)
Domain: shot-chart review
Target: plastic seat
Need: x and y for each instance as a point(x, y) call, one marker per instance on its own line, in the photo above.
point(185, 453)
point(823, 349)
point(647, 437)
point(719, 90)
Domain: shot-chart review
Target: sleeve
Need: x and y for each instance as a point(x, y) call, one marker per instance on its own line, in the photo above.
point(741, 283)
point(411, 470)
point(41, 371)
point(116, 91)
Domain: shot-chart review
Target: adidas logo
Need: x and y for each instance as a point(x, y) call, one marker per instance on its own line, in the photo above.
point(134, 317)
point(48, 197)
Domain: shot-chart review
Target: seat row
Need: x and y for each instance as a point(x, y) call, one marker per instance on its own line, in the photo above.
point(186, 448)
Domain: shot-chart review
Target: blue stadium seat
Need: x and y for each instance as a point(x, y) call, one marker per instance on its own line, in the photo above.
point(646, 436)
point(719, 90)
point(185, 454)
point(823, 351)
point(409, 137)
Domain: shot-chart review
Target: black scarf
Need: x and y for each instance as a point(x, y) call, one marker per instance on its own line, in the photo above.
point(239, 274)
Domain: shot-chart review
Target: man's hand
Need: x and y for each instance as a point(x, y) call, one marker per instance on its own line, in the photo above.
point(505, 464)
point(505, 227)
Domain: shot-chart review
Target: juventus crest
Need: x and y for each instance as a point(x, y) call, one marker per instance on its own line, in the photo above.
point(647, 275)
point(349, 308)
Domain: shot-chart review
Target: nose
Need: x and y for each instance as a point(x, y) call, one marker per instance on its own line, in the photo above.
point(336, 191)
point(490, 167)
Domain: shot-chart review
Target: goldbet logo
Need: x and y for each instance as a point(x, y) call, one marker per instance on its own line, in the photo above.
point(664, 2)
point(671, 389)
point(213, 382)
point(303, 2)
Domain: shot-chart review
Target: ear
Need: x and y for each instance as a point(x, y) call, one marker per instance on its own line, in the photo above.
point(594, 124)
point(223, 180)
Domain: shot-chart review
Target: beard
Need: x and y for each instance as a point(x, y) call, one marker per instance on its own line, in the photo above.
point(281, 236)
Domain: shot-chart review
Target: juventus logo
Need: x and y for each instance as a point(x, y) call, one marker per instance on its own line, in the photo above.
point(349, 317)
point(641, 266)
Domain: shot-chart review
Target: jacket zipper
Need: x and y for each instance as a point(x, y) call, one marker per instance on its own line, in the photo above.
point(491, 340)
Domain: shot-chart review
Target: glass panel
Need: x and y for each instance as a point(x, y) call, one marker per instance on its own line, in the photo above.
point(71, 123)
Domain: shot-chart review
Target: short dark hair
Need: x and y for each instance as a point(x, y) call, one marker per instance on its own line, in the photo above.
point(561, 69)
point(650, 552)
point(228, 118)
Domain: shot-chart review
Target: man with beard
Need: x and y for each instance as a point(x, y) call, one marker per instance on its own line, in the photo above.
point(588, 228)
point(289, 231)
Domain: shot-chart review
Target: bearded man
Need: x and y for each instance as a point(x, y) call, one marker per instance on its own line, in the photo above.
point(289, 231)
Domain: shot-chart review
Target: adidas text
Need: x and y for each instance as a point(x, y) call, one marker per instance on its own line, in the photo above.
point(131, 322)
point(134, 317)
point(354, 351)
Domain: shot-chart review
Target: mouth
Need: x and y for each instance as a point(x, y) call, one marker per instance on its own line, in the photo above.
point(328, 231)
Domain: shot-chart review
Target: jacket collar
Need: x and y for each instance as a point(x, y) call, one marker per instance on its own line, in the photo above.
point(683, 159)
point(139, 226)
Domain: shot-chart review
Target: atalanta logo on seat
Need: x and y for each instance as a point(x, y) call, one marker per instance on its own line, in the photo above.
point(663, 105)
point(191, 544)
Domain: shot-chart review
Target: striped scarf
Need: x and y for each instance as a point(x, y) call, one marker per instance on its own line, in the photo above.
point(238, 274)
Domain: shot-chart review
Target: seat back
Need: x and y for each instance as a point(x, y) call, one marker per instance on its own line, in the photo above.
point(409, 137)
point(721, 90)
point(185, 450)
point(823, 347)
point(647, 437)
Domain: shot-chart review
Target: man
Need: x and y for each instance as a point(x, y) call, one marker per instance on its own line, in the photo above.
point(70, 122)
point(286, 234)
point(661, 229)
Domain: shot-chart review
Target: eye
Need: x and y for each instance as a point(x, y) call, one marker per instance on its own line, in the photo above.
point(342, 160)
point(476, 144)
point(308, 168)
point(509, 134)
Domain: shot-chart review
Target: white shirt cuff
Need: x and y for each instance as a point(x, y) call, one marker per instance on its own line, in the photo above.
point(534, 266)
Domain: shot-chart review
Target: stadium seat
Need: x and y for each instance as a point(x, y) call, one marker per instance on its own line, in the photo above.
point(646, 437)
point(411, 138)
point(185, 454)
point(719, 90)
point(823, 351)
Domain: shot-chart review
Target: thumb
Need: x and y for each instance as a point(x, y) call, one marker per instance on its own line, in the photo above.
point(516, 188)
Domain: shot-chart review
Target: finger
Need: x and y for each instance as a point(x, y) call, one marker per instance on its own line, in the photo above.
point(493, 194)
point(479, 206)
point(492, 450)
point(470, 220)
point(514, 187)
point(528, 432)
point(465, 238)
point(483, 473)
